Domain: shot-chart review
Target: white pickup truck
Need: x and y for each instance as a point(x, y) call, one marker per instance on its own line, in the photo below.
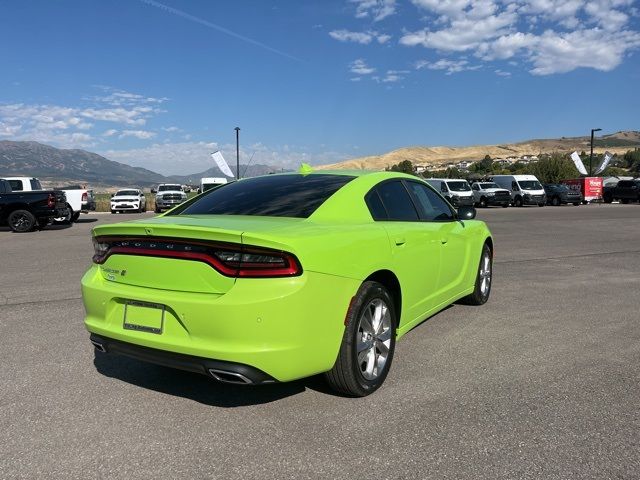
point(79, 200)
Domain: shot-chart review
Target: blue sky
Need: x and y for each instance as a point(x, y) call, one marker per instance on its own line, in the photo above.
point(161, 84)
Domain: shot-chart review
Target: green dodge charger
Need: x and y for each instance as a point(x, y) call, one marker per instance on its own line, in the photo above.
point(275, 278)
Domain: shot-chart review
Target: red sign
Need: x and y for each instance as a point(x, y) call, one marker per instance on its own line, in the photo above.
point(589, 187)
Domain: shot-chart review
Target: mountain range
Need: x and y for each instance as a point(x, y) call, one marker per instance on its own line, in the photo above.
point(56, 166)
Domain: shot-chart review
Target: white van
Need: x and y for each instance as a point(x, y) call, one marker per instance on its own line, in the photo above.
point(525, 189)
point(457, 191)
point(208, 183)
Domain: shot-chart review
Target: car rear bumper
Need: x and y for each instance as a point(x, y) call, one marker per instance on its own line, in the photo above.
point(288, 328)
point(229, 372)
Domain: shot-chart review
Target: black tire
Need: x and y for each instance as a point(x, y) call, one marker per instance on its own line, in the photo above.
point(68, 217)
point(555, 201)
point(624, 200)
point(518, 202)
point(347, 374)
point(75, 217)
point(541, 205)
point(113, 211)
point(481, 293)
point(608, 198)
point(21, 221)
point(483, 202)
point(505, 205)
point(157, 210)
point(576, 204)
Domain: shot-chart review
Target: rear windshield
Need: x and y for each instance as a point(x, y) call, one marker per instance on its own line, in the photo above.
point(458, 186)
point(272, 196)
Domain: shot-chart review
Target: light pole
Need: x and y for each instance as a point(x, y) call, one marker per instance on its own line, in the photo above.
point(237, 129)
point(591, 156)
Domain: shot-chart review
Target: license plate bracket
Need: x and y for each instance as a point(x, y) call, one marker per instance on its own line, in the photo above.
point(143, 316)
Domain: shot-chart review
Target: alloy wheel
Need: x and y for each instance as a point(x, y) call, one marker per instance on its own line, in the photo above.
point(373, 338)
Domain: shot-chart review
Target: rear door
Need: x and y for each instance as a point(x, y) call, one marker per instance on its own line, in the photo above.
point(415, 247)
point(440, 220)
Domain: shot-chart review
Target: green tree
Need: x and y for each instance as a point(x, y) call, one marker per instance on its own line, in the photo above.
point(405, 166)
point(553, 169)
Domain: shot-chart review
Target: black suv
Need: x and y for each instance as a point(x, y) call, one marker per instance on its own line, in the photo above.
point(558, 194)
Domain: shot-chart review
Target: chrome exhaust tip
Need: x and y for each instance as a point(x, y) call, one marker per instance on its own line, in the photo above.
point(99, 346)
point(229, 377)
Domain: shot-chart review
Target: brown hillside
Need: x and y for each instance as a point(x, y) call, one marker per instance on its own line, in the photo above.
point(618, 142)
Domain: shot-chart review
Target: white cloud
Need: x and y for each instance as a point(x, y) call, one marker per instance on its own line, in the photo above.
point(141, 134)
point(450, 66)
point(552, 36)
point(363, 38)
point(82, 125)
point(374, 9)
point(502, 73)
point(360, 67)
point(171, 129)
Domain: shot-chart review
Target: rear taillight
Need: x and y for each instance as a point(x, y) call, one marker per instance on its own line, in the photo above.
point(231, 260)
point(51, 200)
point(85, 197)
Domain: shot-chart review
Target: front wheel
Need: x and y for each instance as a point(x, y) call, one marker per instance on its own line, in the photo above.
point(483, 202)
point(21, 221)
point(576, 204)
point(368, 343)
point(482, 288)
point(518, 202)
point(555, 201)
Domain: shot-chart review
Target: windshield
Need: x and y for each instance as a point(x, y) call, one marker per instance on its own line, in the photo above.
point(127, 193)
point(530, 185)
point(169, 188)
point(489, 185)
point(272, 196)
point(458, 186)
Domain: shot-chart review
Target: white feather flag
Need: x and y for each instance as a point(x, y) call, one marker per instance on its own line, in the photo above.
point(222, 163)
point(578, 161)
point(605, 163)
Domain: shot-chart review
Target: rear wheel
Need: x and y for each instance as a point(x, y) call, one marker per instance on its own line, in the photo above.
point(624, 200)
point(21, 221)
point(67, 218)
point(482, 288)
point(368, 343)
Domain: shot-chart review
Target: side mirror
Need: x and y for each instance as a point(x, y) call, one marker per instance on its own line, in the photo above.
point(113, 195)
point(466, 213)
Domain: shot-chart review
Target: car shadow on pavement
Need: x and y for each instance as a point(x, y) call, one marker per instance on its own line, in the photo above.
point(86, 220)
point(197, 387)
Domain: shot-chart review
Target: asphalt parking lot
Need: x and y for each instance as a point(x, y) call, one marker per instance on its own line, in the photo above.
point(541, 382)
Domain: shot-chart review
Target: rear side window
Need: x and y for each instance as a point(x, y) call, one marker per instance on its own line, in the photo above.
point(272, 196)
point(378, 212)
point(397, 202)
point(16, 185)
point(35, 184)
point(621, 183)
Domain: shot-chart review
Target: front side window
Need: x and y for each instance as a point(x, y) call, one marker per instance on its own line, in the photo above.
point(271, 196)
point(514, 186)
point(433, 208)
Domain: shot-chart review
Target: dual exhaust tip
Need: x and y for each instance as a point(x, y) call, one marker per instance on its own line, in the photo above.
point(224, 376)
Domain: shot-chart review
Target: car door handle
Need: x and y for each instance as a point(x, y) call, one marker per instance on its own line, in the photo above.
point(400, 241)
